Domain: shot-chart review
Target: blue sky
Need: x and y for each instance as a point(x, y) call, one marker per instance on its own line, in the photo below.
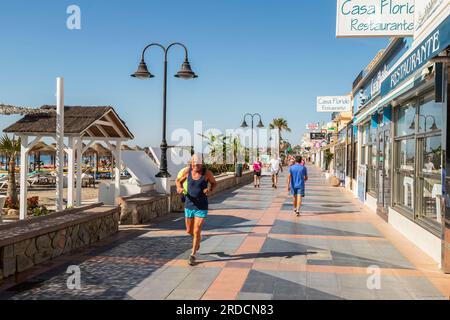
point(272, 56)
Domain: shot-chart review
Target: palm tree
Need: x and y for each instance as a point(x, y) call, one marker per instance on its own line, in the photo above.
point(234, 148)
point(11, 148)
point(215, 144)
point(280, 124)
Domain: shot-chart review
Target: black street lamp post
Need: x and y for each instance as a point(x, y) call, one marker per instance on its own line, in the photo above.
point(185, 73)
point(245, 125)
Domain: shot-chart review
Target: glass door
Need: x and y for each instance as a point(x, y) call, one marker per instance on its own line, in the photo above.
point(384, 172)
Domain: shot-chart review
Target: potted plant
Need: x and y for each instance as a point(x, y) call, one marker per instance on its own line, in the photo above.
point(328, 157)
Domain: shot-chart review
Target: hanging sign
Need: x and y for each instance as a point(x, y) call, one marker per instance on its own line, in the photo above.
point(334, 104)
point(426, 12)
point(362, 182)
point(312, 126)
point(317, 136)
point(375, 18)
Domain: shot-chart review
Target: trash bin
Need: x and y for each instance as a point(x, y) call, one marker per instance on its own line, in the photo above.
point(238, 170)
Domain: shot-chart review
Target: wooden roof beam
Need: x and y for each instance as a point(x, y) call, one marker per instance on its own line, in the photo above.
point(108, 116)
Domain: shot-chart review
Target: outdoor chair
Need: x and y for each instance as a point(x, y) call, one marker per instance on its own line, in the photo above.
point(34, 178)
point(3, 181)
point(87, 180)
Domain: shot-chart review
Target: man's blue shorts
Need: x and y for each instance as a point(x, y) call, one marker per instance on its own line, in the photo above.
point(189, 213)
point(298, 192)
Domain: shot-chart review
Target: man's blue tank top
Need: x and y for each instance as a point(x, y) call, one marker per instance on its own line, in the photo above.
point(196, 198)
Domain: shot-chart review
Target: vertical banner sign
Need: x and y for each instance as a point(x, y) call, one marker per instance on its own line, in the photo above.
point(362, 180)
point(59, 143)
point(375, 18)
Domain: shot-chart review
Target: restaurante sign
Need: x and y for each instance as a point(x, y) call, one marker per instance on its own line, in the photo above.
point(375, 18)
point(430, 47)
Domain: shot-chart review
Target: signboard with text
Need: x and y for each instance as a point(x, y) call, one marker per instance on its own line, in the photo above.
point(426, 12)
point(375, 18)
point(317, 136)
point(334, 104)
point(312, 126)
point(362, 182)
point(430, 47)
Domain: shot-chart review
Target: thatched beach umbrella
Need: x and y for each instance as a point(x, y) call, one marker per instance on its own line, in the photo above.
point(39, 149)
point(126, 148)
point(100, 151)
point(90, 153)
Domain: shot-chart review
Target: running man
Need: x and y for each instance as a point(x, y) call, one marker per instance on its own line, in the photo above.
point(196, 205)
point(296, 183)
point(275, 167)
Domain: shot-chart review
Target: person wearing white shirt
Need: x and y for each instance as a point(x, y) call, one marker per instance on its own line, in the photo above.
point(275, 167)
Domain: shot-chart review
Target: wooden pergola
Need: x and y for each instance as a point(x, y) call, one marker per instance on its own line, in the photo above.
point(83, 126)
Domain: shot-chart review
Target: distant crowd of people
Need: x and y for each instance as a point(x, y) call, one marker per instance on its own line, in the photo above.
point(298, 175)
point(195, 183)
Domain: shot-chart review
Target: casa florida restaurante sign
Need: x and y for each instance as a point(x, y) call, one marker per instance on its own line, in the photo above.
point(334, 104)
point(375, 18)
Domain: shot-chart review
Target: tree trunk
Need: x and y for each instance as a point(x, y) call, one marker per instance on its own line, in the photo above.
point(12, 190)
point(279, 140)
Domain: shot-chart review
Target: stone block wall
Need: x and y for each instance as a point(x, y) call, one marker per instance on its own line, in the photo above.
point(144, 207)
point(139, 208)
point(28, 243)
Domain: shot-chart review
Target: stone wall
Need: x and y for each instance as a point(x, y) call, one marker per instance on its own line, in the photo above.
point(228, 182)
point(139, 208)
point(25, 244)
point(144, 207)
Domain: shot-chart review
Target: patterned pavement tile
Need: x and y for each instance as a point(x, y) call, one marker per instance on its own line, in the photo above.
point(253, 248)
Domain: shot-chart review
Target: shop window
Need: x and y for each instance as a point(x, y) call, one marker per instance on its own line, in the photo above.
point(348, 169)
point(372, 176)
point(405, 173)
point(430, 179)
point(355, 161)
point(431, 155)
point(407, 154)
point(405, 120)
point(418, 165)
point(430, 116)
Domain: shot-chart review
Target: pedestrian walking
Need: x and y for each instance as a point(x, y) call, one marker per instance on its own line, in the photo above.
point(291, 161)
point(275, 167)
point(196, 205)
point(297, 177)
point(257, 168)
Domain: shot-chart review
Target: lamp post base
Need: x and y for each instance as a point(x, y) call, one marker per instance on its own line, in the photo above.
point(163, 174)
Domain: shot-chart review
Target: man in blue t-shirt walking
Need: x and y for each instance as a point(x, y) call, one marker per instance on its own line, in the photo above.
point(296, 183)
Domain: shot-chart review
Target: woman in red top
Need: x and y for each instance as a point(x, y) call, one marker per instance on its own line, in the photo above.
point(257, 167)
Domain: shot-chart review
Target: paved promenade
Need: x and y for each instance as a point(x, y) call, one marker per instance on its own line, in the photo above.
point(254, 247)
